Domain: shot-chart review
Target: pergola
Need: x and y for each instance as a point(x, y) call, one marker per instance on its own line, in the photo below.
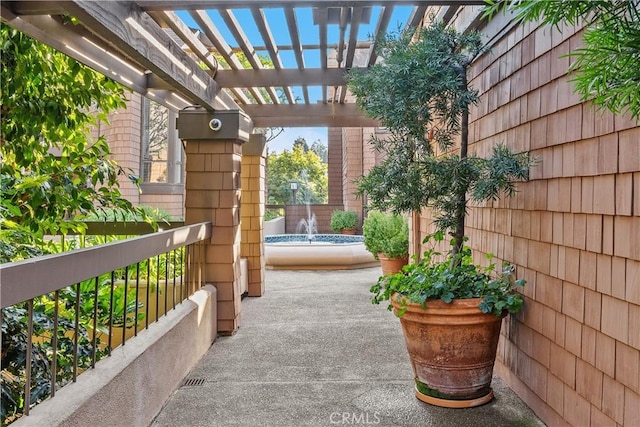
point(148, 46)
point(178, 54)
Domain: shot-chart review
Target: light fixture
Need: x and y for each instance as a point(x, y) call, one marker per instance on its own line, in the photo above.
point(294, 190)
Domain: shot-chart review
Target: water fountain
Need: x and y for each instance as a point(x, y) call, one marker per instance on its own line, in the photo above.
point(309, 224)
point(308, 250)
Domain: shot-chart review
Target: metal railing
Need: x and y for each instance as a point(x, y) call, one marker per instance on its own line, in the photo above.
point(86, 302)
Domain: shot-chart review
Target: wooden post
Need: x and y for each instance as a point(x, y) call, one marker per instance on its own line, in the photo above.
point(252, 211)
point(212, 193)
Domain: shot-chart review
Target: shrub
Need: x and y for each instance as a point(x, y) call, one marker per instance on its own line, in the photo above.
point(343, 220)
point(387, 234)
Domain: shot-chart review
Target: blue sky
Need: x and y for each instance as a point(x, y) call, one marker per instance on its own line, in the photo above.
point(285, 140)
point(309, 35)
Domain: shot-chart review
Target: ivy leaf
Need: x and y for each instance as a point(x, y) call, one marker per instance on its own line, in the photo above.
point(448, 297)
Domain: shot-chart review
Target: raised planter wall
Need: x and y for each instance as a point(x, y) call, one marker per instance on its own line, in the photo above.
point(274, 226)
point(130, 386)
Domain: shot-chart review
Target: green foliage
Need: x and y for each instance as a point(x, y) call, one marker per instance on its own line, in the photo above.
point(321, 150)
point(404, 185)
point(52, 171)
point(142, 213)
point(343, 220)
point(420, 93)
point(53, 174)
point(291, 166)
point(454, 277)
point(317, 147)
point(302, 143)
point(387, 234)
point(271, 214)
point(607, 68)
point(14, 350)
point(420, 85)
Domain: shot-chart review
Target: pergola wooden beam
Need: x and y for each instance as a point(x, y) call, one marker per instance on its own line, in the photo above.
point(294, 33)
point(206, 24)
point(447, 13)
point(140, 44)
point(137, 36)
point(248, 50)
point(300, 115)
point(204, 4)
point(356, 16)
point(416, 16)
point(381, 29)
point(170, 19)
point(178, 26)
point(289, 76)
point(271, 47)
point(322, 15)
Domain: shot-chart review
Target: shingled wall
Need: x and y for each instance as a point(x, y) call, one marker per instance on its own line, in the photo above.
point(573, 231)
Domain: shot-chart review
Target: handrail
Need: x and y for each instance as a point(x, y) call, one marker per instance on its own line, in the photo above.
point(21, 280)
point(124, 228)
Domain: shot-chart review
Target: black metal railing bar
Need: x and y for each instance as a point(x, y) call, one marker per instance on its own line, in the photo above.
point(31, 278)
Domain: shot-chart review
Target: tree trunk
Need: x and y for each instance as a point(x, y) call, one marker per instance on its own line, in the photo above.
point(461, 208)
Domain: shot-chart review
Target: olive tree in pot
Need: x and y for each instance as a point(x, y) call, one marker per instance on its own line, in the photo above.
point(420, 93)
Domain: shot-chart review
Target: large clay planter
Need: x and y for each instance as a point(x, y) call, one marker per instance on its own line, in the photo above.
point(348, 231)
point(391, 265)
point(452, 348)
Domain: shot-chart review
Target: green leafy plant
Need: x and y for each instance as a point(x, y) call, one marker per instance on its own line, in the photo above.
point(285, 167)
point(454, 277)
point(54, 172)
point(387, 234)
point(272, 214)
point(14, 351)
point(420, 93)
point(343, 220)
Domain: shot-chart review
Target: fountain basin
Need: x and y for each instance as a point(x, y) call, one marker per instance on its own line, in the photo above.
point(324, 252)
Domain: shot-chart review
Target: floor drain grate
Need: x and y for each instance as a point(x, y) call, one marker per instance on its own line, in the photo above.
point(192, 382)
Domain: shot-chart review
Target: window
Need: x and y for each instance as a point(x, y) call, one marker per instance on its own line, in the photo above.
point(162, 156)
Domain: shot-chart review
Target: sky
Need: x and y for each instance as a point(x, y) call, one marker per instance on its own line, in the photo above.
point(278, 25)
point(286, 139)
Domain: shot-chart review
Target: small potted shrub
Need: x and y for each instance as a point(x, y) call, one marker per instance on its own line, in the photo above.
point(344, 222)
point(386, 236)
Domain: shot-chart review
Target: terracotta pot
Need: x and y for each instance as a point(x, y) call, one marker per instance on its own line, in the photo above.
point(452, 348)
point(392, 265)
point(350, 231)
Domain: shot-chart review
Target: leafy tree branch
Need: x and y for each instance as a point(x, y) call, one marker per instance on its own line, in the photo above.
point(420, 93)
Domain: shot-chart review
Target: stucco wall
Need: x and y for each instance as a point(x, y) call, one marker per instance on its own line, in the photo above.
point(130, 387)
point(573, 353)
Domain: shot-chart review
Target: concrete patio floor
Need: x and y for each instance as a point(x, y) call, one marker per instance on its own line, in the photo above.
point(313, 351)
